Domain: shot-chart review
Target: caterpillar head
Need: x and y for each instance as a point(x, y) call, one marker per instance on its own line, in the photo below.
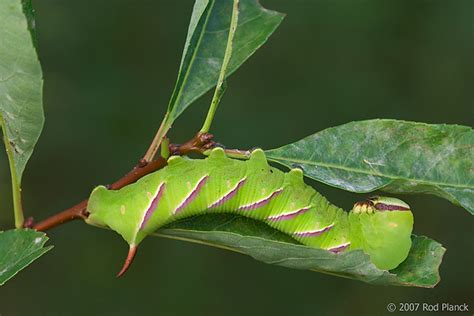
point(385, 225)
point(380, 203)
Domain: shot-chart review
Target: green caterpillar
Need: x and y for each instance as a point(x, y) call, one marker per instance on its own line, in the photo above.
point(380, 226)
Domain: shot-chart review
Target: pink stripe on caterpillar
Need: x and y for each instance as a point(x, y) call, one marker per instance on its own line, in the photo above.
point(229, 194)
point(153, 205)
point(313, 233)
point(339, 248)
point(255, 205)
point(288, 215)
point(191, 196)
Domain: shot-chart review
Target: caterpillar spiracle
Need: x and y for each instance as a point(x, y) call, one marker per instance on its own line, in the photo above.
point(380, 226)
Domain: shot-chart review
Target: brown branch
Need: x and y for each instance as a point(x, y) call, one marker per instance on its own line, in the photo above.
point(198, 143)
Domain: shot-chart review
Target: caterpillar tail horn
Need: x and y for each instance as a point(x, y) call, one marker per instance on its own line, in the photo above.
point(132, 251)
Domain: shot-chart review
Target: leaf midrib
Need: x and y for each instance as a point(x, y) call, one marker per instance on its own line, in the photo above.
point(389, 176)
point(193, 57)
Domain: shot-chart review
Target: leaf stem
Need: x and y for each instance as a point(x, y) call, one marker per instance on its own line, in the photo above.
point(220, 86)
point(16, 190)
point(165, 148)
point(155, 144)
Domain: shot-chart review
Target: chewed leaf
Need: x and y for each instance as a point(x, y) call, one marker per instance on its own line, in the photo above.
point(390, 155)
point(18, 249)
point(268, 245)
point(207, 55)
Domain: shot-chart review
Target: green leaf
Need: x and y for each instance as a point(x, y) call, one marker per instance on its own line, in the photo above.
point(206, 43)
point(390, 155)
point(268, 245)
point(21, 85)
point(19, 248)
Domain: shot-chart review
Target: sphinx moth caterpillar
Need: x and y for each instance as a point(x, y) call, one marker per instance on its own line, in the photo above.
point(380, 226)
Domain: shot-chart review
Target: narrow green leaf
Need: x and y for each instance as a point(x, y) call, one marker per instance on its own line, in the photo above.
point(206, 43)
point(19, 248)
point(390, 155)
point(21, 85)
point(268, 245)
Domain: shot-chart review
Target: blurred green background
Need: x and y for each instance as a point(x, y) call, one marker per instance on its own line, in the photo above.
point(109, 69)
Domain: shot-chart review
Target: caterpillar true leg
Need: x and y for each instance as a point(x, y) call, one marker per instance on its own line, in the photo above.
point(380, 226)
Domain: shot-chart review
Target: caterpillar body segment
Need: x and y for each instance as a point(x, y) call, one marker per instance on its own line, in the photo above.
point(380, 226)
